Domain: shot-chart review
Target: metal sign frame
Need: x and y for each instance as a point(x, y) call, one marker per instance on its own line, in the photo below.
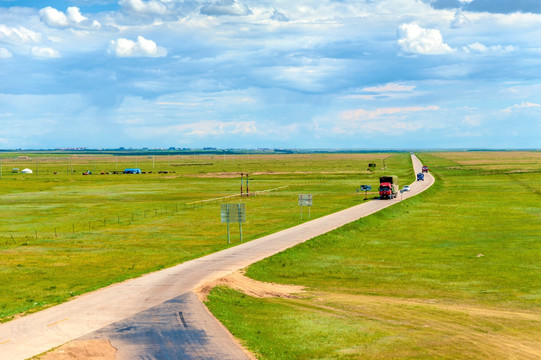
point(233, 213)
point(305, 200)
point(366, 189)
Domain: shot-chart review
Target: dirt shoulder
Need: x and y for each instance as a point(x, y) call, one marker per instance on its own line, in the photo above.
point(238, 281)
point(82, 350)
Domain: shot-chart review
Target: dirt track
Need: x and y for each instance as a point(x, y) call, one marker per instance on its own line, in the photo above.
point(158, 312)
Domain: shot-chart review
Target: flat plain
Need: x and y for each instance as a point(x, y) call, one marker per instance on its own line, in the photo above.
point(454, 273)
point(64, 233)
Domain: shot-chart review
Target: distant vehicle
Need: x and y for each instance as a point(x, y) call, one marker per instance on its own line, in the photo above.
point(388, 187)
point(406, 188)
point(420, 177)
point(425, 169)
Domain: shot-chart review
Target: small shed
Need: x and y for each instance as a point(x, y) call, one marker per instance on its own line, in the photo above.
point(27, 171)
point(132, 171)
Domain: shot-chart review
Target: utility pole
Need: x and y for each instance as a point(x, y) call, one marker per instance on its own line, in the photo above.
point(241, 183)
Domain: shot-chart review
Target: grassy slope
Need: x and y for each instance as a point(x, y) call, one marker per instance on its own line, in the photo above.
point(452, 273)
point(50, 269)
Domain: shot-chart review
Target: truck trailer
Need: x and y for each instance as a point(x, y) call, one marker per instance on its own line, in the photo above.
point(388, 187)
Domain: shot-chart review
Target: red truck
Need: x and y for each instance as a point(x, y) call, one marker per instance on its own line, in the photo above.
point(388, 187)
point(425, 169)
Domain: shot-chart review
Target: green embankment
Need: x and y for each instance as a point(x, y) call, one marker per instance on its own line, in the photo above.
point(454, 273)
point(65, 234)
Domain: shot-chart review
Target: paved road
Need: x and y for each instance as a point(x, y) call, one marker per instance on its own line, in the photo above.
point(165, 297)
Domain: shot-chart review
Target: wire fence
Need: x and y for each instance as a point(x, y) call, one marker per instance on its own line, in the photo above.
point(76, 228)
point(200, 203)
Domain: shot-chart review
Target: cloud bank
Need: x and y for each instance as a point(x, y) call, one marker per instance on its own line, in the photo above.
point(238, 73)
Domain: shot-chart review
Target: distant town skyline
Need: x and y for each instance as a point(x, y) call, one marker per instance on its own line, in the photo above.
point(247, 74)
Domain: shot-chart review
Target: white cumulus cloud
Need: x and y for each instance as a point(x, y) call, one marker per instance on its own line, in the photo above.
point(417, 40)
point(5, 53)
point(53, 17)
point(140, 48)
point(18, 35)
point(45, 52)
point(74, 15)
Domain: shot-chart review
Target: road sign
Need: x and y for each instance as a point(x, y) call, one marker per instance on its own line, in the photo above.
point(305, 200)
point(366, 187)
point(231, 213)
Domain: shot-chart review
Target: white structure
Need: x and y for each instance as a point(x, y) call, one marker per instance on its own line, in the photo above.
point(27, 171)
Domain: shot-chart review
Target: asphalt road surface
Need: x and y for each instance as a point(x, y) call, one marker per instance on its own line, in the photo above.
point(156, 316)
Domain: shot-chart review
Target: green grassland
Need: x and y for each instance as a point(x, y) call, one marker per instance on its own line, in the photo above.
point(454, 273)
point(64, 234)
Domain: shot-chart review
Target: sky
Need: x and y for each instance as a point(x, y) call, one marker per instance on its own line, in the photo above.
point(327, 74)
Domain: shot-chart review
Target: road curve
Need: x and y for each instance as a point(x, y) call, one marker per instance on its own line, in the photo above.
point(162, 298)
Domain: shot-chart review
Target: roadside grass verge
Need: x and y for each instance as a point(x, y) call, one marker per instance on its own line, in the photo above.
point(453, 273)
point(65, 234)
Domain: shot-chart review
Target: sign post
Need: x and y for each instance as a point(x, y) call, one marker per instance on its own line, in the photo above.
point(305, 200)
point(231, 213)
point(366, 189)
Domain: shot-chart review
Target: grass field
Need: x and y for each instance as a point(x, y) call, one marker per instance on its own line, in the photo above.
point(454, 273)
point(63, 234)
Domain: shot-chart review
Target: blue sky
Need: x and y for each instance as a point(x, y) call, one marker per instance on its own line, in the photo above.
point(357, 74)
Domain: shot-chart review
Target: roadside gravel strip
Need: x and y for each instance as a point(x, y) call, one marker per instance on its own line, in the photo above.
point(156, 316)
